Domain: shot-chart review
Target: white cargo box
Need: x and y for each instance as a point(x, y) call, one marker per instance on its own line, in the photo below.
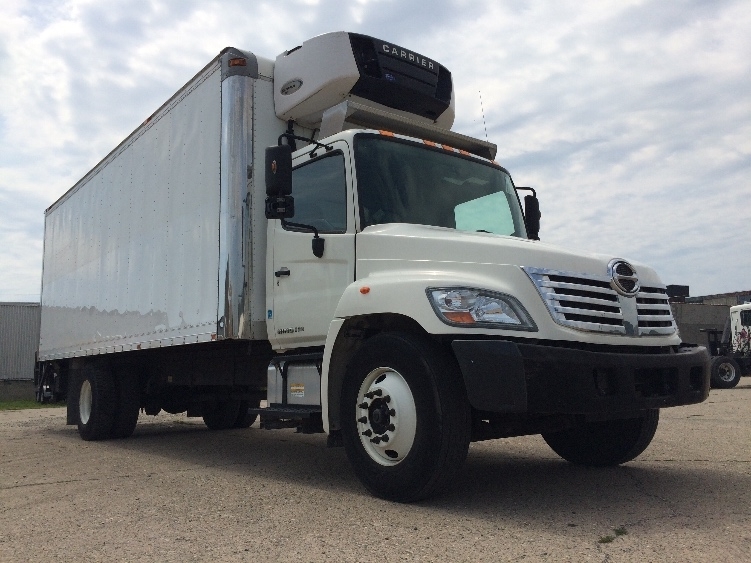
point(160, 244)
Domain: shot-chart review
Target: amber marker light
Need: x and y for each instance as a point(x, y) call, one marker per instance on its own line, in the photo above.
point(458, 317)
point(238, 62)
point(386, 133)
point(365, 290)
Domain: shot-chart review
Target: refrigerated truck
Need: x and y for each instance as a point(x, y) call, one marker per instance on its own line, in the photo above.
point(309, 232)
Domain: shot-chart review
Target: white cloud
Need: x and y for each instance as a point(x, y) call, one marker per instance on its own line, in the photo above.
point(630, 118)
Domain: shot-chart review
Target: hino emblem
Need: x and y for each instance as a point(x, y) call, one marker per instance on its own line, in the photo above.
point(623, 277)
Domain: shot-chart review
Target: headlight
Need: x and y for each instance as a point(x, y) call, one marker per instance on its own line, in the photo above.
point(467, 307)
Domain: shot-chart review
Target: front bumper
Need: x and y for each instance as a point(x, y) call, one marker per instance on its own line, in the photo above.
point(508, 377)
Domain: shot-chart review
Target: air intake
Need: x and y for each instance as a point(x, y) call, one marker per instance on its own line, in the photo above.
point(588, 302)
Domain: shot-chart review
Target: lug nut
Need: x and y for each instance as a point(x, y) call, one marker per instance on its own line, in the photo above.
point(378, 392)
point(367, 433)
point(376, 440)
point(387, 398)
point(362, 419)
point(392, 427)
point(385, 438)
point(363, 405)
point(392, 412)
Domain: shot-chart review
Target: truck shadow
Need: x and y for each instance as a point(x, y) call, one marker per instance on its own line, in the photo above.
point(525, 482)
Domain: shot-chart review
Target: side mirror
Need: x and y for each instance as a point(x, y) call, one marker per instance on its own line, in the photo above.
point(532, 216)
point(279, 202)
point(279, 171)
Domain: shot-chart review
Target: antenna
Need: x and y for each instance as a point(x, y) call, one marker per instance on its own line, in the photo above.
point(482, 109)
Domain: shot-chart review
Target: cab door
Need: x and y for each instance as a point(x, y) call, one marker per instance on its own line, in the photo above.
point(305, 289)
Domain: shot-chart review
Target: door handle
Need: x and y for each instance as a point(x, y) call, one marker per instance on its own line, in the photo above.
point(282, 272)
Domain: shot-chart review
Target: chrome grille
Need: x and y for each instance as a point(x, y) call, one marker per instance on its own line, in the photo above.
point(589, 302)
point(653, 311)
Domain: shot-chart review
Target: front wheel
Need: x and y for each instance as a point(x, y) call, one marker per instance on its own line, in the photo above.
point(725, 373)
point(606, 443)
point(406, 420)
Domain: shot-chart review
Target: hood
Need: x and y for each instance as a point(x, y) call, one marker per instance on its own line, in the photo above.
point(420, 244)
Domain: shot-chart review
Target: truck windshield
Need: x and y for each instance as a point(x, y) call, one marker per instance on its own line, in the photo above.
point(403, 182)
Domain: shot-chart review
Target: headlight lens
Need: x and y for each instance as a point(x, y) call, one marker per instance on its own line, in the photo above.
point(468, 307)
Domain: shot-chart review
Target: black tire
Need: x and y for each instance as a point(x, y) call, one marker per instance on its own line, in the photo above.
point(245, 420)
point(438, 418)
point(606, 443)
point(725, 373)
point(221, 415)
point(97, 398)
point(128, 404)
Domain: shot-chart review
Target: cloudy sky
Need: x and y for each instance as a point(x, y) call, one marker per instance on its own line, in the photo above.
point(632, 119)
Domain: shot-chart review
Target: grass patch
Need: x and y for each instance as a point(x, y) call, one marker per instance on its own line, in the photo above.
point(27, 404)
point(618, 532)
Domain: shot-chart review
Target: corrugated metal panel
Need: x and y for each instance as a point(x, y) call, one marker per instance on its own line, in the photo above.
point(19, 338)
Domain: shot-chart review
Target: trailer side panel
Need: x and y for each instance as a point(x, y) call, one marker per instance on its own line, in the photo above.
point(131, 254)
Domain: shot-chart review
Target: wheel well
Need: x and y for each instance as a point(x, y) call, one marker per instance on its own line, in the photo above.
point(353, 333)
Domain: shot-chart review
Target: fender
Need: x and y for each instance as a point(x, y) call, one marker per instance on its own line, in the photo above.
point(402, 292)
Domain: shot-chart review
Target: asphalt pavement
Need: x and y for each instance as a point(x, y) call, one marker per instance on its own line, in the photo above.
point(176, 491)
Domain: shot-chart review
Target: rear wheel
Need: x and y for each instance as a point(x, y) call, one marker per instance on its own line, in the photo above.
point(128, 404)
point(610, 442)
point(725, 373)
point(245, 420)
point(221, 415)
point(97, 399)
point(405, 417)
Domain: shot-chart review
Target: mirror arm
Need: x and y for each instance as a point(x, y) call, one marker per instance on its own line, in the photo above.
point(318, 242)
point(526, 188)
point(291, 137)
point(309, 228)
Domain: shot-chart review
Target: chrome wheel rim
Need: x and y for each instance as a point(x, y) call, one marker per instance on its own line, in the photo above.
point(726, 372)
point(84, 402)
point(386, 416)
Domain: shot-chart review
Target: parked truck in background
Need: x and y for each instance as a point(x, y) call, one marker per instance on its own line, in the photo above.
point(730, 348)
point(310, 232)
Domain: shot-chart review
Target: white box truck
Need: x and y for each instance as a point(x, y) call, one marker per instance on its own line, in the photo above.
point(309, 232)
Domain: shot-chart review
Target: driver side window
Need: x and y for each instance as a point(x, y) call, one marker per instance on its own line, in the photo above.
point(320, 191)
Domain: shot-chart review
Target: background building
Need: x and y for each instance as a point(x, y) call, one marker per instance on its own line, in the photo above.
point(19, 340)
point(692, 314)
point(729, 299)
